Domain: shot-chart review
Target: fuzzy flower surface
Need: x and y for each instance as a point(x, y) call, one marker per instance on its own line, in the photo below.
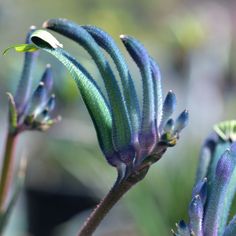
point(215, 186)
point(132, 134)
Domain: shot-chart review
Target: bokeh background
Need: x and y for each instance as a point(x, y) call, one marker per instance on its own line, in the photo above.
point(194, 43)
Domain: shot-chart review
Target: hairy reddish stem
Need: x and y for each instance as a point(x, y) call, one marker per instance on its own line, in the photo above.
point(104, 207)
point(6, 172)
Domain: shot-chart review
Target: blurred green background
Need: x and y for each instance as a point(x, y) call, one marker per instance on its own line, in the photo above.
point(194, 44)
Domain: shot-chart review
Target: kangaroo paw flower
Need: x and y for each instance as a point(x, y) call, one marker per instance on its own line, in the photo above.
point(131, 140)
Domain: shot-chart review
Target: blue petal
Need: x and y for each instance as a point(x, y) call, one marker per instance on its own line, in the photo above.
point(47, 78)
point(206, 154)
point(215, 210)
point(24, 87)
point(168, 108)
point(121, 131)
point(156, 75)
point(181, 121)
point(201, 189)
point(148, 134)
point(169, 126)
point(108, 44)
point(38, 100)
point(51, 103)
point(196, 215)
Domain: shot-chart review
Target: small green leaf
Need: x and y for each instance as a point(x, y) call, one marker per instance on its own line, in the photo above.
point(21, 48)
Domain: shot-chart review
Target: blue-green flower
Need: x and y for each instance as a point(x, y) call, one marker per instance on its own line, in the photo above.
point(131, 137)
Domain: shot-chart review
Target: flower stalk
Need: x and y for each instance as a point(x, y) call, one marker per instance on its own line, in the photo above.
point(6, 172)
point(98, 214)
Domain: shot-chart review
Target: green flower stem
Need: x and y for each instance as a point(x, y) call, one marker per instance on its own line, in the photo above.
point(104, 207)
point(6, 172)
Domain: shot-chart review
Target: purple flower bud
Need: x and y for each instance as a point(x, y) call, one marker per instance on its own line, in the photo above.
point(51, 102)
point(183, 228)
point(47, 78)
point(169, 126)
point(196, 215)
point(168, 107)
point(224, 167)
point(181, 121)
point(200, 189)
point(38, 99)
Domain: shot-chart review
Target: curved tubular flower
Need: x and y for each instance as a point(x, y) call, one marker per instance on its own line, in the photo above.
point(137, 141)
point(147, 135)
point(215, 185)
point(121, 129)
point(106, 42)
point(131, 142)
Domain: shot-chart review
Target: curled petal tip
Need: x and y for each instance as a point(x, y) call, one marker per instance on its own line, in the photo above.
point(41, 84)
point(45, 24)
point(42, 37)
point(123, 36)
point(170, 101)
point(196, 209)
point(200, 190)
point(195, 201)
point(32, 27)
